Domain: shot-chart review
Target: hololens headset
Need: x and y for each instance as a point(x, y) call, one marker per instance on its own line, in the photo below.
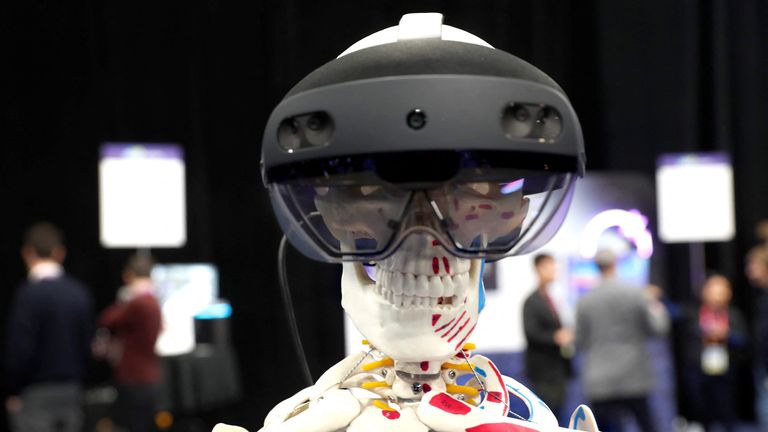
point(470, 144)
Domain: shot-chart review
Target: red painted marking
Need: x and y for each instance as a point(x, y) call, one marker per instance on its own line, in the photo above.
point(500, 427)
point(456, 204)
point(447, 265)
point(494, 396)
point(454, 226)
point(461, 342)
point(445, 325)
point(435, 243)
point(425, 366)
point(435, 265)
point(450, 405)
point(390, 414)
point(435, 318)
point(426, 387)
point(459, 330)
point(508, 215)
point(454, 325)
point(499, 380)
point(486, 206)
point(472, 216)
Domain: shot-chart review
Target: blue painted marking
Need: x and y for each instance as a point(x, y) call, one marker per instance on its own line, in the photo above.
point(481, 372)
point(580, 416)
point(481, 289)
point(522, 396)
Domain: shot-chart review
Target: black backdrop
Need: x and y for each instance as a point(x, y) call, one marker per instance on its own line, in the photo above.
point(645, 77)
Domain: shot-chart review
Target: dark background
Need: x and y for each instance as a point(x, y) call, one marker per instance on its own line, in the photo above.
point(646, 77)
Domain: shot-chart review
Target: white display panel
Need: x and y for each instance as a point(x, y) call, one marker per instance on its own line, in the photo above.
point(694, 194)
point(142, 195)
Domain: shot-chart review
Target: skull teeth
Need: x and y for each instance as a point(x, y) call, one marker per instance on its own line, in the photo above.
point(400, 300)
point(410, 290)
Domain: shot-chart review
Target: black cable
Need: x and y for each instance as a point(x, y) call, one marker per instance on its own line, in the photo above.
point(289, 311)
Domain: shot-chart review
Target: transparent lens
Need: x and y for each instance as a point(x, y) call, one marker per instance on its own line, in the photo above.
point(348, 219)
point(492, 217)
point(507, 213)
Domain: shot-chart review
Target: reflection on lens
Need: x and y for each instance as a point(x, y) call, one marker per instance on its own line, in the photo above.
point(351, 219)
point(508, 214)
point(512, 187)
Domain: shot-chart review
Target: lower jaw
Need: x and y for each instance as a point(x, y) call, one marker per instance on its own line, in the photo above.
point(444, 304)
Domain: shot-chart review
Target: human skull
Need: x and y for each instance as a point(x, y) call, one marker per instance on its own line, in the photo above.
point(422, 302)
point(421, 305)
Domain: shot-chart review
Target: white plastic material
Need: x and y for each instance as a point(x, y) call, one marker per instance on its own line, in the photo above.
point(221, 427)
point(412, 25)
point(420, 26)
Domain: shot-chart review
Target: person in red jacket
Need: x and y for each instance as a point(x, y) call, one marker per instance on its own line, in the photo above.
point(135, 322)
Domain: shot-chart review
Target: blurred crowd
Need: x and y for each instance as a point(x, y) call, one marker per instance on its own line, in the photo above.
point(53, 334)
point(614, 323)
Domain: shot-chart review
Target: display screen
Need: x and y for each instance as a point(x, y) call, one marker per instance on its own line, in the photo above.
point(142, 197)
point(183, 291)
point(694, 194)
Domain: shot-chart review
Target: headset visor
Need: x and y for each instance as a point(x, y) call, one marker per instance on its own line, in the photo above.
point(487, 213)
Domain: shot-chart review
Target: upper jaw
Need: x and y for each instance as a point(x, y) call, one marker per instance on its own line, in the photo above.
point(408, 290)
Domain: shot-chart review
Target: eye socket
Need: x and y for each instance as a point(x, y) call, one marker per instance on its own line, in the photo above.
point(367, 190)
point(483, 188)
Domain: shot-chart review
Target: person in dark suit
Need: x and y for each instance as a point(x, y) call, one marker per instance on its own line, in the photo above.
point(49, 332)
point(715, 336)
point(546, 366)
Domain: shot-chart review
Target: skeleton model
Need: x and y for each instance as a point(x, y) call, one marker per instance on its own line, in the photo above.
point(414, 156)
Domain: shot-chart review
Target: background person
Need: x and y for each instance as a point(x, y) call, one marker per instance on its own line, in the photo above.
point(613, 324)
point(756, 270)
point(547, 364)
point(49, 331)
point(135, 321)
point(714, 340)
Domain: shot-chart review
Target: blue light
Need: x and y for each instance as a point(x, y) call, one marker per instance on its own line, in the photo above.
point(215, 311)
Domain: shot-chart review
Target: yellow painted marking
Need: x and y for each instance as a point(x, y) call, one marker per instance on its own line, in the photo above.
point(469, 391)
point(378, 403)
point(374, 384)
point(469, 346)
point(457, 366)
point(377, 364)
